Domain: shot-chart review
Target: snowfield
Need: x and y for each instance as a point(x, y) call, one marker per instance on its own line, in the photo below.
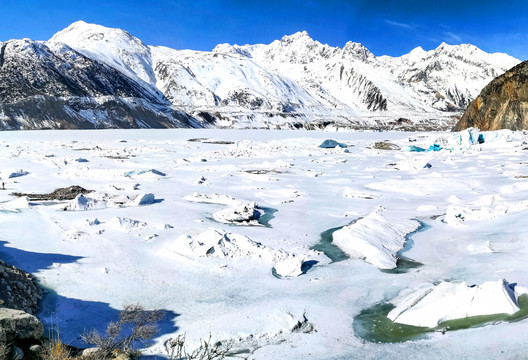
point(229, 234)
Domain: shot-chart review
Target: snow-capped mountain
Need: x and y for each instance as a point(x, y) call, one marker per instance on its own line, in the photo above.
point(91, 76)
point(50, 85)
point(421, 83)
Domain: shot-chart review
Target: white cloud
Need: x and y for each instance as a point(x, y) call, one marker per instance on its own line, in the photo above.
point(399, 24)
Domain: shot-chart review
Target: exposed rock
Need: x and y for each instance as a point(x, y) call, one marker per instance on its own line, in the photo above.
point(304, 326)
point(20, 325)
point(68, 193)
point(502, 104)
point(122, 357)
point(89, 352)
point(384, 145)
point(18, 289)
point(35, 351)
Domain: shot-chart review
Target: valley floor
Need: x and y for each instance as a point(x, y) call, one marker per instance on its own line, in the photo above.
point(145, 235)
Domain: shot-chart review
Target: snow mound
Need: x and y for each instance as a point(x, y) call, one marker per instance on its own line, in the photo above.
point(82, 202)
point(416, 164)
point(240, 214)
point(485, 208)
point(18, 173)
point(125, 224)
point(430, 305)
point(145, 174)
point(142, 199)
point(218, 243)
point(15, 205)
point(214, 198)
point(357, 194)
point(375, 238)
point(292, 266)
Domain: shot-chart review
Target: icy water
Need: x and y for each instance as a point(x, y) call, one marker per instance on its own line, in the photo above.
point(264, 219)
point(373, 325)
point(404, 264)
point(326, 245)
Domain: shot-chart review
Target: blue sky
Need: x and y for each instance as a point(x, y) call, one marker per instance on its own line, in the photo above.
point(384, 27)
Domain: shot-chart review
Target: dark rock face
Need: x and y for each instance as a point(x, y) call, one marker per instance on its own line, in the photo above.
point(56, 87)
point(502, 104)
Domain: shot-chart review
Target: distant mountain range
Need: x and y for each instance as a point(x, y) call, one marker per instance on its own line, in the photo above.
point(90, 76)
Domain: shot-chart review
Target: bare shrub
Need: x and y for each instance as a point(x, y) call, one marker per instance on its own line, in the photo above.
point(176, 349)
point(56, 350)
point(135, 325)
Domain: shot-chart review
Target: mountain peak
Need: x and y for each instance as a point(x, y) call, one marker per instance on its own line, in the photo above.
point(357, 50)
point(114, 47)
point(299, 35)
point(81, 31)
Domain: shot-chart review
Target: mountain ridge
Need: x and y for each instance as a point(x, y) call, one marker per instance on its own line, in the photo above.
point(290, 83)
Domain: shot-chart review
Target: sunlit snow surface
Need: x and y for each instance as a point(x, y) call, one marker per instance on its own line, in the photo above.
point(148, 233)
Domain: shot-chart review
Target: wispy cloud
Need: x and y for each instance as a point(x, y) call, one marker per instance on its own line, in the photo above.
point(452, 36)
point(399, 24)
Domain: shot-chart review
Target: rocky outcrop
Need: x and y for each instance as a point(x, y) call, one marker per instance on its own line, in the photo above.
point(20, 325)
point(20, 331)
point(18, 289)
point(502, 104)
point(20, 335)
point(60, 194)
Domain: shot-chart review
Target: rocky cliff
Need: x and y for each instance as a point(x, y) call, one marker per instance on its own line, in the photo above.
point(502, 104)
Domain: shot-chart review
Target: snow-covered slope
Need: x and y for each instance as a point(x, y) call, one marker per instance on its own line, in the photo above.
point(115, 47)
point(50, 85)
point(235, 90)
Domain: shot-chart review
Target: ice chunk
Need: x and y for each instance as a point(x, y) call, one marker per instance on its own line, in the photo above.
point(142, 199)
point(375, 238)
point(413, 148)
point(18, 173)
point(82, 202)
point(430, 305)
point(330, 144)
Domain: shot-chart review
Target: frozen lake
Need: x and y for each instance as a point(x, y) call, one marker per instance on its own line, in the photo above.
point(228, 232)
